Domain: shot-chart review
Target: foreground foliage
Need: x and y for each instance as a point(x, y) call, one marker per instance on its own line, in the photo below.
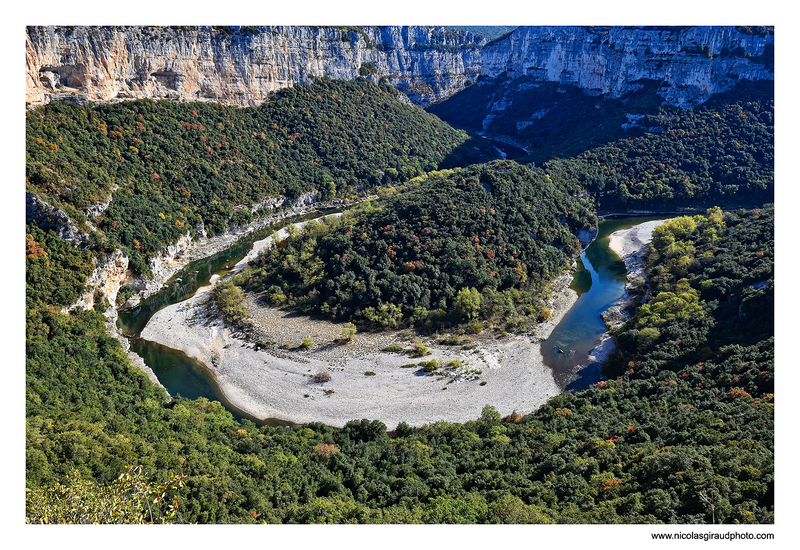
point(130, 499)
point(674, 430)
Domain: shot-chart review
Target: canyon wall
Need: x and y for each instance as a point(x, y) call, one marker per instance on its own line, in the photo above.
point(244, 65)
point(690, 62)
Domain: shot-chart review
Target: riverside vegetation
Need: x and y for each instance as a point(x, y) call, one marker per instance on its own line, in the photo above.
point(451, 247)
point(681, 431)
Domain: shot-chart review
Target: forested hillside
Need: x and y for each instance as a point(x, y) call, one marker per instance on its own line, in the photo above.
point(174, 165)
point(684, 422)
point(632, 152)
point(680, 432)
point(454, 246)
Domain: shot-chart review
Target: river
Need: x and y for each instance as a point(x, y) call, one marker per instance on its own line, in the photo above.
point(599, 282)
point(178, 373)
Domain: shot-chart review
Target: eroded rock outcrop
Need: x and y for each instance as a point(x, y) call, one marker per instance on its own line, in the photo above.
point(47, 216)
point(107, 278)
point(690, 62)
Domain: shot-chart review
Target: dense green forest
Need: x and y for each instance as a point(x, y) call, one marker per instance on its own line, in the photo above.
point(662, 157)
point(684, 422)
point(175, 165)
point(454, 246)
point(681, 431)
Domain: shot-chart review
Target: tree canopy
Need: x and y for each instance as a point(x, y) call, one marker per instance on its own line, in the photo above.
point(500, 232)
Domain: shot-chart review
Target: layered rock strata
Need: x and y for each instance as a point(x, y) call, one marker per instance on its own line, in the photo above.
point(244, 65)
point(239, 67)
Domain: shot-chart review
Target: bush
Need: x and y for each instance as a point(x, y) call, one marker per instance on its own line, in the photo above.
point(306, 343)
point(393, 348)
point(429, 366)
point(367, 68)
point(420, 350)
point(124, 294)
point(544, 315)
point(348, 332)
point(321, 377)
point(451, 340)
point(474, 327)
point(100, 302)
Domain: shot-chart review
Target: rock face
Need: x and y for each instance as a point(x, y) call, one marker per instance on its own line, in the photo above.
point(107, 277)
point(48, 216)
point(243, 66)
point(239, 67)
point(691, 63)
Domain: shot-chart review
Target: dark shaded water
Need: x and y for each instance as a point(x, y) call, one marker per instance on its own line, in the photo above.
point(600, 283)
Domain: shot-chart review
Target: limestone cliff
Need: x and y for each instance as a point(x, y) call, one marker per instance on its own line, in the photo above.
point(244, 65)
point(107, 278)
point(239, 66)
point(690, 62)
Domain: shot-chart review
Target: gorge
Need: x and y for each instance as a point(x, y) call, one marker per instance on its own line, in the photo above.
point(150, 147)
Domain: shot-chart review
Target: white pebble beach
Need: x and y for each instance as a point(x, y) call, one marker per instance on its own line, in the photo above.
point(507, 373)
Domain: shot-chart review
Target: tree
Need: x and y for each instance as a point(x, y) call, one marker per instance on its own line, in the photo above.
point(468, 303)
point(509, 509)
point(348, 332)
point(130, 499)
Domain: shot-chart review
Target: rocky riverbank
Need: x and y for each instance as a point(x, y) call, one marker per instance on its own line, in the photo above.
point(631, 246)
point(176, 257)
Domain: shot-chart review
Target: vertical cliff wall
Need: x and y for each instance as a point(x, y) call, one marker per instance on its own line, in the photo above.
point(690, 62)
point(243, 65)
point(239, 66)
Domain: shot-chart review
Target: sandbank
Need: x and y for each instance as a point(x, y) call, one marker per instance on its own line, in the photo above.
point(277, 381)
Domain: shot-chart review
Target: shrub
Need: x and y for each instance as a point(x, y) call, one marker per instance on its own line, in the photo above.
point(369, 373)
point(367, 68)
point(393, 348)
point(348, 332)
point(124, 294)
point(100, 302)
point(321, 377)
point(544, 315)
point(430, 366)
point(474, 327)
point(420, 350)
point(306, 343)
point(451, 340)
